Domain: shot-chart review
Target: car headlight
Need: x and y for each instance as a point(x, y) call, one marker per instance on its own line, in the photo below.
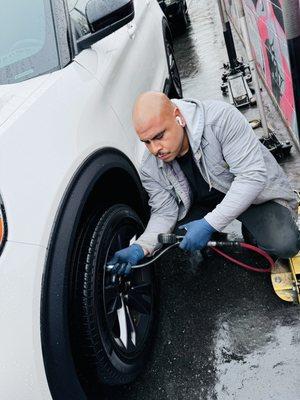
point(3, 226)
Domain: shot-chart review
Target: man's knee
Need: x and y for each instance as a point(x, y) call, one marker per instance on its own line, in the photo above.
point(286, 247)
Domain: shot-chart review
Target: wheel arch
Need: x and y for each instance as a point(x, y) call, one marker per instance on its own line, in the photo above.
point(106, 177)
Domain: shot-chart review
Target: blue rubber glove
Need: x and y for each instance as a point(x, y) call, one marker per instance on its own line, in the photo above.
point(198, 234)
point(125, 258)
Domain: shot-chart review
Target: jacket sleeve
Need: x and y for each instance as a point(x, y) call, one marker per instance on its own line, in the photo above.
point(164, 213)
point(242, 152)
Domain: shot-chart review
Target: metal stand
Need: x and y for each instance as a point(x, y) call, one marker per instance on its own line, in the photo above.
point(237, 74)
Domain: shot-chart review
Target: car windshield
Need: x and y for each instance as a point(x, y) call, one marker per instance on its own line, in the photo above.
point(28, 45)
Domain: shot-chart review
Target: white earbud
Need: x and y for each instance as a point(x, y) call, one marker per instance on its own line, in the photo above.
point(179, 121)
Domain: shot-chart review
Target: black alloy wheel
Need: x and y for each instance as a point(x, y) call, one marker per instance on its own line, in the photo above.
point(113, 318)
point(176, 88)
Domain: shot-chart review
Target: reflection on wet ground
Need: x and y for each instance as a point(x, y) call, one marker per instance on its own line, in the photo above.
point(200, 53)
point(223, 333)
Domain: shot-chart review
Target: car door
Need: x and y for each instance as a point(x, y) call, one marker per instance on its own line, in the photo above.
point(137, 62)
point(127, 62)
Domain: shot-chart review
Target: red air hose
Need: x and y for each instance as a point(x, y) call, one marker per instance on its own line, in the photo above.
point(246, 266)
point(172, 241)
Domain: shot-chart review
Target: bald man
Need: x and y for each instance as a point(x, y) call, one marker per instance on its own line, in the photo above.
point(205, 167)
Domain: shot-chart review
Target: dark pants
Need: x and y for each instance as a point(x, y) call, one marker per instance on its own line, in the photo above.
point(270, 226)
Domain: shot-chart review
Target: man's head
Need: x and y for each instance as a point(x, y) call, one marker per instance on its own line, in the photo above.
point(160, 125)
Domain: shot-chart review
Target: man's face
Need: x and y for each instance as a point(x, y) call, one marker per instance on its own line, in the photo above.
point(163, 137)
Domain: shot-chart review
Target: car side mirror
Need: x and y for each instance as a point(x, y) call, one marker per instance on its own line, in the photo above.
point(105, 17)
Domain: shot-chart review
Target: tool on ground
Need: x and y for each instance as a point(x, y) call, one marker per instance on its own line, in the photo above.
point(285, 276)
point(237, 74)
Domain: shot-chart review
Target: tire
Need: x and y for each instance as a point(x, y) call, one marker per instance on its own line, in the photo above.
point(175, 90)
point(183, 22)
point(113, 325)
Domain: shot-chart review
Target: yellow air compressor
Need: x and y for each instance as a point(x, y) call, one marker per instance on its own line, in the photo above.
point(285, 276)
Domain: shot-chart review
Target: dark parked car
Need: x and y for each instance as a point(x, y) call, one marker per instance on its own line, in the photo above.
point(177, 13)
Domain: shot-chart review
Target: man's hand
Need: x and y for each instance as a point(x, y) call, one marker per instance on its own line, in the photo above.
point(198, 234)
point(125, 258)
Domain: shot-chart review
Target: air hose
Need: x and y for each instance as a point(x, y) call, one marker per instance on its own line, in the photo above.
point(246, 266)
point(173, 240)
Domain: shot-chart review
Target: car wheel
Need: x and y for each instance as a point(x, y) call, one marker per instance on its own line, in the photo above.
point(113, 322)
point(175, 90)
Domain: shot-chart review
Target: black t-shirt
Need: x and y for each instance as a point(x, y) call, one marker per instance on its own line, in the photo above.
point(199, 187)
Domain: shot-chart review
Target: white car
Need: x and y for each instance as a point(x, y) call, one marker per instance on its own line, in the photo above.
point(70, 192)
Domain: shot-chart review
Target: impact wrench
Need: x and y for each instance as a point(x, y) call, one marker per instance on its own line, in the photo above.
point(172, 240)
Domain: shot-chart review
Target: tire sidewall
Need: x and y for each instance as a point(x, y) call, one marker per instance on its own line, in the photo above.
point(170, 49)
point(102, 233)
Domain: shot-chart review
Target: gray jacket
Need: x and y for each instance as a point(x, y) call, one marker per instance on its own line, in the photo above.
point(230, 158)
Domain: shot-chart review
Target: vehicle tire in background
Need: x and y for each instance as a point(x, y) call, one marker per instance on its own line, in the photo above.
point(183, 21)
point(175, 90)
point(113, 323)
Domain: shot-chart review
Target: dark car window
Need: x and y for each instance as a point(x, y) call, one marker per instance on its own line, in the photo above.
point(77, 13)
point(28, 45)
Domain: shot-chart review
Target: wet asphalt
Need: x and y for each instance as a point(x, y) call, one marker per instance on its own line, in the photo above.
point(223, 333)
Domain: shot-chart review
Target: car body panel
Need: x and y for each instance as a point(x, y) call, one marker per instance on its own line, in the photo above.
point(56, 145)
point(22, 374)
point(122, 51)
point(13, 96)
point(50, 125)
point(47, 155)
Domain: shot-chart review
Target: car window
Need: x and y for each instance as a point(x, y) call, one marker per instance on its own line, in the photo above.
point(77, 13)
point(28, 44)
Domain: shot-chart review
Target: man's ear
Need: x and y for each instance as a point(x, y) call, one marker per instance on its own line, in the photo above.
point(178, 117)
point(176, 112)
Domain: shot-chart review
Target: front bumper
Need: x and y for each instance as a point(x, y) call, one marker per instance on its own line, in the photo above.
point(22, 374)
